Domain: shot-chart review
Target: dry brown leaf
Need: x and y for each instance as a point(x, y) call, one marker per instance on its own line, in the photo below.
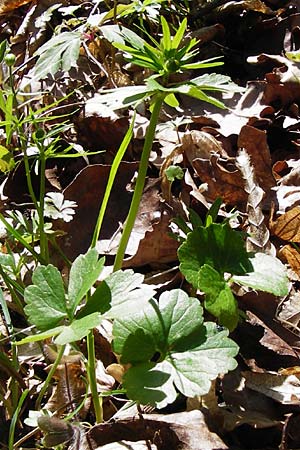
point(254, 141)
point(9, 5)
point(289, 311)
point(223, 179)
point(87, 191)
point(291, 256)
point(287, 226)
point(70, 387)
point(270, 339)
point(245, 406)
point(184, 431)
point(156, 247)
point(284, 389)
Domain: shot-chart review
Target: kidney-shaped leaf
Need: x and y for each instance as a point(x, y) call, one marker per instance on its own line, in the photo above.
point(45, 298)
point(217, 245)
point(188, 352)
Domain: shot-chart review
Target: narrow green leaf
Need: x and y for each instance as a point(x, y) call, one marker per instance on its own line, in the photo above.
point(84, 273)
point(45, 298)
point(179, 34)
point(200, 65)
point(166, 35)
point(3, 46)
point(194, 91)
point(171, 100)
point(41, 336)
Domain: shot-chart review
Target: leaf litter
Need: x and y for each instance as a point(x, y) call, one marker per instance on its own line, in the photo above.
point(251, 403)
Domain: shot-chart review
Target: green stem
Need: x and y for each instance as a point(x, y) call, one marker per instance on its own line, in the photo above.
point(43, 238)
point(14, 420)
point(49, 377)
point(91, 372)
point(15, 362)
point(140, 182)
point(28, 175)
point(20, 239)
point(112, 175)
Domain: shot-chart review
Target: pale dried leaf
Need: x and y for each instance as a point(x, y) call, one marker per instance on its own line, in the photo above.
point(284, 389)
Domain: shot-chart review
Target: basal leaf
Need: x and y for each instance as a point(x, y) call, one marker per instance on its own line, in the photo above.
point(120, 294)
point(84, 273)
point(217, 245)
point(150, 383)
point(180, 350)
point(194, 369)
point(128, 293)
point(269, 275)
point(45, 298)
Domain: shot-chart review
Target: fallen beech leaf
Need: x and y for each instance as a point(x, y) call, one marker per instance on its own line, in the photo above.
point(284, 389)
point(287, 226)
point(246, 406)
point(291, 255)
point(70, 387)
point(198, 144)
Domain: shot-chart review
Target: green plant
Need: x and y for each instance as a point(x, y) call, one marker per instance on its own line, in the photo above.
point(166, 342)
point(165, 58)
point(213, 256)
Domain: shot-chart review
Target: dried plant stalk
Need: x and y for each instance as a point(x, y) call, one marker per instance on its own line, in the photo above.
point(258, 234)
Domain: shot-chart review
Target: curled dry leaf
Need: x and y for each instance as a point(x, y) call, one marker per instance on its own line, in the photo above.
point(258, 233)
